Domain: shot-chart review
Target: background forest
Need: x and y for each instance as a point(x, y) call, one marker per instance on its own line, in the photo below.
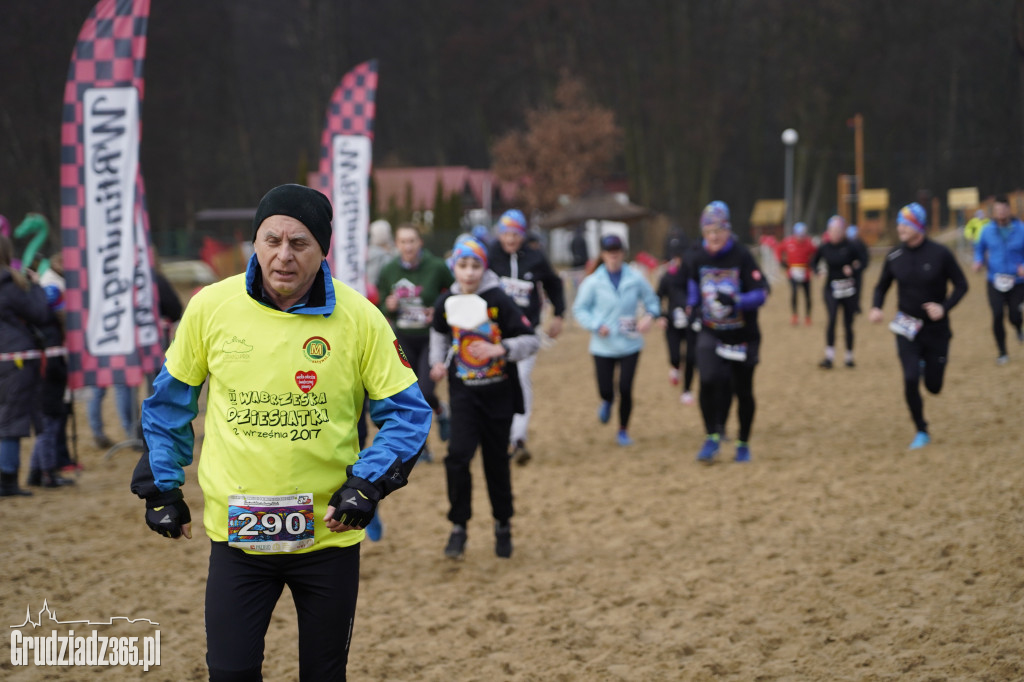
point(699, 92)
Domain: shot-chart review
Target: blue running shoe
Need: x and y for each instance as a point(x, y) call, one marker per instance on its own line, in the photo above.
point(624, 438)
point(604, 413)
point(444, 422)
point(920, 440)
point(742, 451)
point(375, 528)
point(708, 450)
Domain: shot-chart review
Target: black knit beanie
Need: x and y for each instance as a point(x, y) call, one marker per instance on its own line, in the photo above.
point(308, 206)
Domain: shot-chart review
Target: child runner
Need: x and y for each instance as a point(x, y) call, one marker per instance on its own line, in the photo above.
point(483, 333)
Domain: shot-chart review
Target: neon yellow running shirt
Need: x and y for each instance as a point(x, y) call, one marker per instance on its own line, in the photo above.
point(285, 394)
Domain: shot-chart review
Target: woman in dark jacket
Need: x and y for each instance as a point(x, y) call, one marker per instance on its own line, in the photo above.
point(22, 307)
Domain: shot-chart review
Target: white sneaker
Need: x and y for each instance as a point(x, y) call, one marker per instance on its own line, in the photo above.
point(673, 376)
point(686, 398)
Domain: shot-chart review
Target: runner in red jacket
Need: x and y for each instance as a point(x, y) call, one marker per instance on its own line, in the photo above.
point(795, 253)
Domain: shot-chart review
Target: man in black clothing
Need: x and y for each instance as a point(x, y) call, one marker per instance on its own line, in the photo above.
point(523, 272)
point(923, 270)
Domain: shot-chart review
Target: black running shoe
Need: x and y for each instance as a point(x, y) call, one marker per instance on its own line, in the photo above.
point(503, 539)
point(456, 547)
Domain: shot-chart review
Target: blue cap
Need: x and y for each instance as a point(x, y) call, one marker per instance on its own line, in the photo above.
point(611, 242)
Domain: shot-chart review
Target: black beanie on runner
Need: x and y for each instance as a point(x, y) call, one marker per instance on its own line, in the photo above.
point(308, 206)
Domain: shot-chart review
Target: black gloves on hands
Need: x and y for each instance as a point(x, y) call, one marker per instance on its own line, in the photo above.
point(355, 502)
point(167, 512)
point(721, 305)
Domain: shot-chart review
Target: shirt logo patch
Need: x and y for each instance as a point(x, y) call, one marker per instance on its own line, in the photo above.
point(401, 354)
point(305, 381)
point(316, 348)
point(236, 345)
point(236, 350)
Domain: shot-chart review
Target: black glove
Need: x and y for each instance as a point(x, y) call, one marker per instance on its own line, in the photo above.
point(355, 502)
point(167, 512)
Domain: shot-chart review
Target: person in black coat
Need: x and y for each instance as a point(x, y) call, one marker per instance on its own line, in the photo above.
point(23, 308)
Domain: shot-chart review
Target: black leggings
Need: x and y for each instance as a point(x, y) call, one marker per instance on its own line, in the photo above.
point(606, 382)
point(925, 356)
point(675, 339)
point(849, 308)
point(720, 380)
point(1011, 300)
point(793, 287)
point(242, 591)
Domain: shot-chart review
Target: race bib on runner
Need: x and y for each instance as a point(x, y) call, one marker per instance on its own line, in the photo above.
point(1003, 282)
point(270, 523)
point(518, 289)
point(412, 314)
point(843, 288)
point(905, 325)
point(733, 351)
point(627, 325)
point(798, 273)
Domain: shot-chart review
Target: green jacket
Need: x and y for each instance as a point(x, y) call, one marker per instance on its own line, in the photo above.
point(417, 289)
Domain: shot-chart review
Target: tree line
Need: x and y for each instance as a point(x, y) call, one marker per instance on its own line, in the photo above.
point(696, 95)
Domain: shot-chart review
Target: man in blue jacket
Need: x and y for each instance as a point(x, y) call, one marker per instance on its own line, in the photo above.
point(1000, 249)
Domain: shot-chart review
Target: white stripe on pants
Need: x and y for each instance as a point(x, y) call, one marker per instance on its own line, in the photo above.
point(521, 422)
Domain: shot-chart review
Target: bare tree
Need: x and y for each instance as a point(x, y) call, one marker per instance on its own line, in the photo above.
point(564, 149)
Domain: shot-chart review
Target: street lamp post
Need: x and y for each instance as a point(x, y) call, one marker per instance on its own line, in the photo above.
point(789, 138)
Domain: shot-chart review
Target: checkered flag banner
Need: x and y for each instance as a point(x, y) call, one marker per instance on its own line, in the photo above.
point(345, 162)
point(112, 325)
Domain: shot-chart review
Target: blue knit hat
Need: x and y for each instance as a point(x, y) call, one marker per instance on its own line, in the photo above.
point(468, 248)
point(715, 213)
point(913, 215)
point(512, 219)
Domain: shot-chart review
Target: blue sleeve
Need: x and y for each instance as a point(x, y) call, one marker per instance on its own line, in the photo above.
point(404, 421)
point(167, 417)
point(651, 301)
point(749, 300)
point(979, 247)
point(692, 292)
point(582, 307)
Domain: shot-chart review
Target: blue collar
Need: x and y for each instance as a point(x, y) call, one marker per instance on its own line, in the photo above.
point(319, 300)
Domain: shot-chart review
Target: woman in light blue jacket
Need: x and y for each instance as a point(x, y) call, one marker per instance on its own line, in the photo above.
point(617, 306)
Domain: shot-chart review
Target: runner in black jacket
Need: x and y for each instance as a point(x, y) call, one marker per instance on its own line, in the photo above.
point(726, 288)
point(523, 271)
point(923, 270)
point(843, 262)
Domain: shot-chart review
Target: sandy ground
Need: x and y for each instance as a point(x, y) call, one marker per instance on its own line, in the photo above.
point(835, 555)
